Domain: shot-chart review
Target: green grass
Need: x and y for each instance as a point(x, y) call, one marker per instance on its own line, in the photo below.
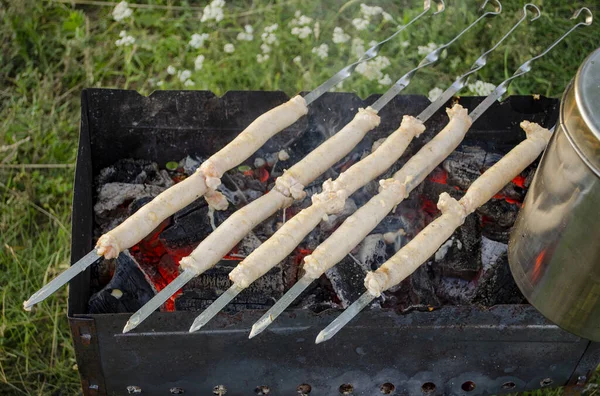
point(52, 50)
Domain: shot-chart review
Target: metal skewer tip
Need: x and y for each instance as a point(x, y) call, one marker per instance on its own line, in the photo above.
point(158, 300)
point(280, 306)
point(215, 307)
point(346, 316)
point(61, 279)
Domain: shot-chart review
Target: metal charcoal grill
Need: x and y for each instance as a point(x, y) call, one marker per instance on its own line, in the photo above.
point(455, 349)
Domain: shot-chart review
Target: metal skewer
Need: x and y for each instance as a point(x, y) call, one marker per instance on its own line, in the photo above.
point(402, 83)
point(291, 295)
point(366, 298)
point(93, 256)
point(186, 276)
point(61, 279)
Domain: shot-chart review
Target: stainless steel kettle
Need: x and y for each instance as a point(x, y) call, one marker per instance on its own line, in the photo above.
point(554, 248)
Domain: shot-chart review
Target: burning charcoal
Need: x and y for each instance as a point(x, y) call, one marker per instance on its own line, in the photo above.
point(190, 164)
point(367, 192)
point(248, 244)
point(240, 189)
point(371, 253)
point(348, 276)
point(132, 171)
point(389, 224)
point(459, 256)
point(496, 284)
point(467, 163)
point(423, 295)
point(455, 291)
point(188, 228)
point(417, 292)
point(497, 217)
point(335, 220)
point(137, 204)
point(347, 279)
point(126, 292)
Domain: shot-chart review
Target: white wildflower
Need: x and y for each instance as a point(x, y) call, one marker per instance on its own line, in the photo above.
point(268, 36)
point(199, 62)
point(247, 34)
point(214, 10)
point(229, 48)
point(358, 47)
point(322, 51)
point(455, 62)
point(434, 94)
point(265, 48)
point(260, 58)
point(160, 83)
point(125, 39)
point(184, 75)
point(372, 43)
point(171, 70)
point(302, 32)
point(426, 49)
point(387, 17)
point(317, 30)
point(370, 11)
point(385, 80)
point(122, 11)
point(298, 60)
point(299, 25)
point(405, 44)
point(481, 88)
point(271, 28)
point(198, 40)
point(188, 83)
point(373, 70)
point(300, 20)
point(360, 24)
point(339, 36)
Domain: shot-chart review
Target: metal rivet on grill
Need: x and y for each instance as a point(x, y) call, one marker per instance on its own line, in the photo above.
point(219, 390)
point(131, 389)
point(546, 382)
point(262, 390)
point(346, 389)
point(508, 385)
point(468, 386)
point(304, 389)
point(428, 387)
point(387, 388)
